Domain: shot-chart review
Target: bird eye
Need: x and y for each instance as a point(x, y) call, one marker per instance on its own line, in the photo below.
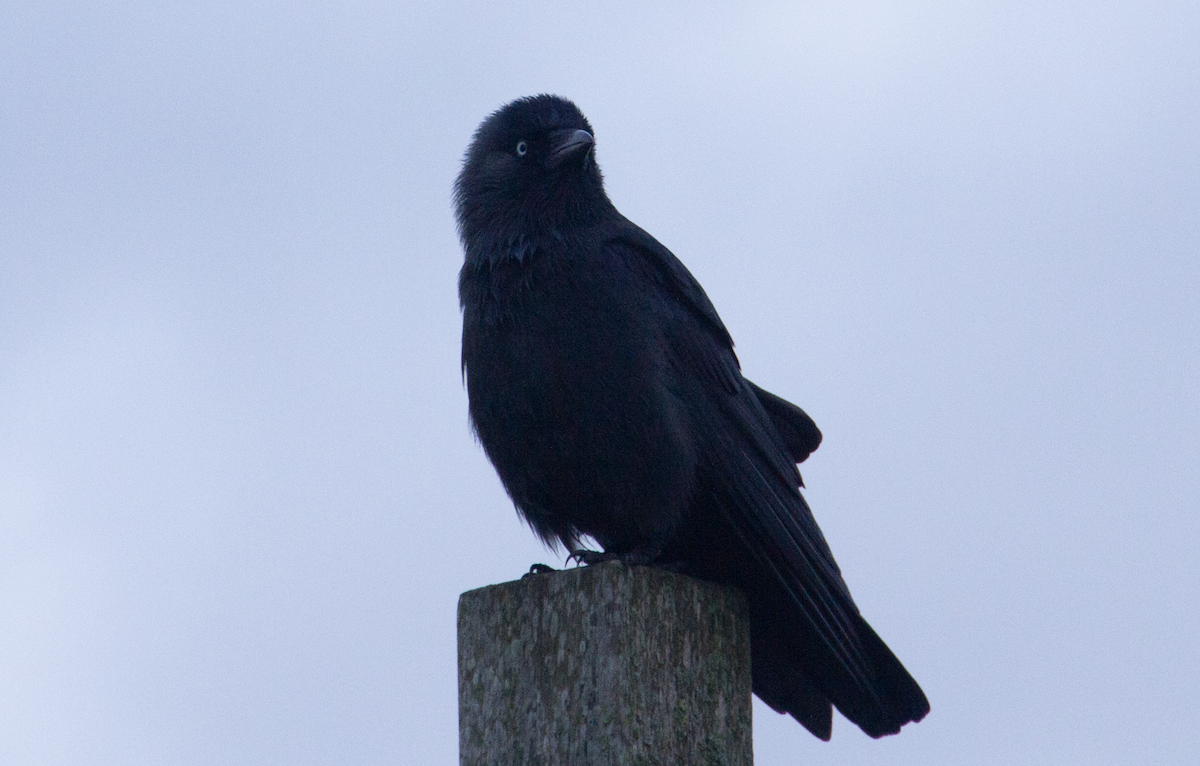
point(522, 149)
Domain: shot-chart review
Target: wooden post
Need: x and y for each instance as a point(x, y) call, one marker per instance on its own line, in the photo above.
point(604, 664)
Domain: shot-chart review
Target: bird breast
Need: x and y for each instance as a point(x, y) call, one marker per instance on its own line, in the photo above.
point(567, 393)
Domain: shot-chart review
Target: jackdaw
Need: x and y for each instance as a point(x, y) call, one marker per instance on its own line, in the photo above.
point(605, 390)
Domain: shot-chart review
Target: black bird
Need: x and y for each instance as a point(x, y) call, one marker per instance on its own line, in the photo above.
point(604, 389)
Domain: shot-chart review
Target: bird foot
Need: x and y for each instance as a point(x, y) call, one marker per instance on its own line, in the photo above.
point(635, 558)
point(584, 557)
point(537, 569)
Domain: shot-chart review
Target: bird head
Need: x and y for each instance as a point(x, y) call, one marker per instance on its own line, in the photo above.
point(528, 175)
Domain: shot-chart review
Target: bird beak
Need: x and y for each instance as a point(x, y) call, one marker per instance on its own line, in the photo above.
point(568, 143)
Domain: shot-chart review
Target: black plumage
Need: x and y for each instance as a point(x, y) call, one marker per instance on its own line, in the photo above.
point(605, 390)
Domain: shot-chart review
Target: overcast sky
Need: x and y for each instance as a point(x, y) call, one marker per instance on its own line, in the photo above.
point(238, 492)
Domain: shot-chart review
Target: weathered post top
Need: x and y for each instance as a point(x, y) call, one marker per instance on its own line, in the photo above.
point(604, 664)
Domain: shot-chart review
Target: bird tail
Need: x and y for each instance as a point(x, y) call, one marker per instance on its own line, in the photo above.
point(899, 697)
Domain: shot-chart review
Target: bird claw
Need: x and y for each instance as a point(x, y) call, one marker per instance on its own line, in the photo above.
point(583, 557)
point(636, 558)
point(537, 569)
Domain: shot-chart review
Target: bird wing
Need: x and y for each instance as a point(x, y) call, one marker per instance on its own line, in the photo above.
point(750, 467)
point(673, 278)
point(799, 433)
point(758, 459)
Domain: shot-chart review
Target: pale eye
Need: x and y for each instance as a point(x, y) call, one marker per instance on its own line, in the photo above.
point(522, 149)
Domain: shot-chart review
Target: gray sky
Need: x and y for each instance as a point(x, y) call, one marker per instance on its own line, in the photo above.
point(238, 492)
